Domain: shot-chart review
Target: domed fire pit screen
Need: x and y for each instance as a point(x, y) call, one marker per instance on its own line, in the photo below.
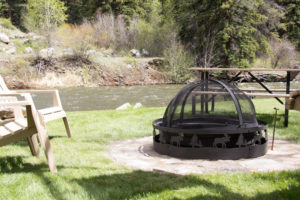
point(210, 119)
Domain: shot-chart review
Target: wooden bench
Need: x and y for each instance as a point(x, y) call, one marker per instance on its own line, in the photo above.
point(263, 90)
point(247, 93)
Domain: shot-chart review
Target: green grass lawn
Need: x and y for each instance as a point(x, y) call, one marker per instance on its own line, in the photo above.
point(84, 172)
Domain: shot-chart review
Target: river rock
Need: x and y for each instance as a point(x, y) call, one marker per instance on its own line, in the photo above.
point(24, 41)
point(36, 37)
point(67, 52)
point(124, 106)
point(46, 53)
point(11, 50)
point(129, 66)
point(4, 38)
point(145, 52)
point(137, 105)
point(135, 53)
point(28, 50)
point(90, 52)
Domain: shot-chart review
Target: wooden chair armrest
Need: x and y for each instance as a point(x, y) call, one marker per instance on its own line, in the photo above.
point(56, 98)
point(35, 91)
point(15, 103)
point(6, 94)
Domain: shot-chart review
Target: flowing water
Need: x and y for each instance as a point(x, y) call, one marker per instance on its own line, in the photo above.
point(100, 98)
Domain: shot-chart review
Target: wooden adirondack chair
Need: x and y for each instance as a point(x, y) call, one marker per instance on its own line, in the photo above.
point(46, 114)
point(19, 127)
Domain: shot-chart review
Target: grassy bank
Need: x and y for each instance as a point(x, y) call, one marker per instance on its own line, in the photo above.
point(85, 173)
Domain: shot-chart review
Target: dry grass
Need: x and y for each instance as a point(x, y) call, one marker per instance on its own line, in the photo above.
point(51, 80)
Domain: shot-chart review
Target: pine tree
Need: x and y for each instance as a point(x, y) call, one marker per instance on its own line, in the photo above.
point(12, 9)
point(226, 33)
point(291, 20)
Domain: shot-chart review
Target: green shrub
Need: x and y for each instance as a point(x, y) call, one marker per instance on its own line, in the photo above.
point(44, 16)
point(20, 46)
point(22, 68)
point(130, 60)
point(178, 61)
point(6, 23)
point(155, 35)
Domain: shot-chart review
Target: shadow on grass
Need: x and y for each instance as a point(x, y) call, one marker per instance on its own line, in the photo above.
point(25, 143)
point(292, 192)
point(16, 164)
point(138, 184)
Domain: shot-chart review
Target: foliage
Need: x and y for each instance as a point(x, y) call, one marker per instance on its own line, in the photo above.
point(6, 23)
point(112, 32)
point(22, 69)
point(291, 20)
point(80, 9)
point(155, 34)
point(226, 32)
point(44, 16)
point(109, 31)
point(77, 38)
point(178, 61)
point(12, 9)
point(283, 53)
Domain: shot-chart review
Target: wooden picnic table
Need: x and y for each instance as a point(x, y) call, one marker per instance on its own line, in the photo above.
point(205, 75)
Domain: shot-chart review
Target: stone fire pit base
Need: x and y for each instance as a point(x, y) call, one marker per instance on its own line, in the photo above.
point(139, 154)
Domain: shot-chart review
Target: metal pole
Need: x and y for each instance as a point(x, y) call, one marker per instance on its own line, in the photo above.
point(206, 89)
point(274, 128)
point(202, 96)
point(286, 112)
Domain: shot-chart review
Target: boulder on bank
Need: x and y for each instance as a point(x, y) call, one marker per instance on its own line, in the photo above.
point(124, 106)
point(4, 38)
point(137, 105)
point(11, 50)
point(135, 53)
point(46, 53)
point(145, 52)
point(28, 50)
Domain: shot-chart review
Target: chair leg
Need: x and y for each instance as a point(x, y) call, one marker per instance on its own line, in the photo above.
point(42, 135)
point(67, 126)
point(45, 143)
point(33, 145)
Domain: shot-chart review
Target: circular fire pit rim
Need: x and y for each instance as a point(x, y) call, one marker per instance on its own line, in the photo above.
point(229, 129)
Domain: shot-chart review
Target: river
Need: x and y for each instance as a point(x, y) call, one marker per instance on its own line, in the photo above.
point(101, 98)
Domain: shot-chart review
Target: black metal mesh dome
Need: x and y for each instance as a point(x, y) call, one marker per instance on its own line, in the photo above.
point(210, 103)
point(210, 119)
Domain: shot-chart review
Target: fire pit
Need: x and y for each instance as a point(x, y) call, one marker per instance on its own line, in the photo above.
point(210, 119)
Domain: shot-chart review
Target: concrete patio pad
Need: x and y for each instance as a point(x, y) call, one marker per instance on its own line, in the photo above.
point(139, 154)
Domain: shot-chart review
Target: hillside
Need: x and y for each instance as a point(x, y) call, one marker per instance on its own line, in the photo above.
point(24, 63)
